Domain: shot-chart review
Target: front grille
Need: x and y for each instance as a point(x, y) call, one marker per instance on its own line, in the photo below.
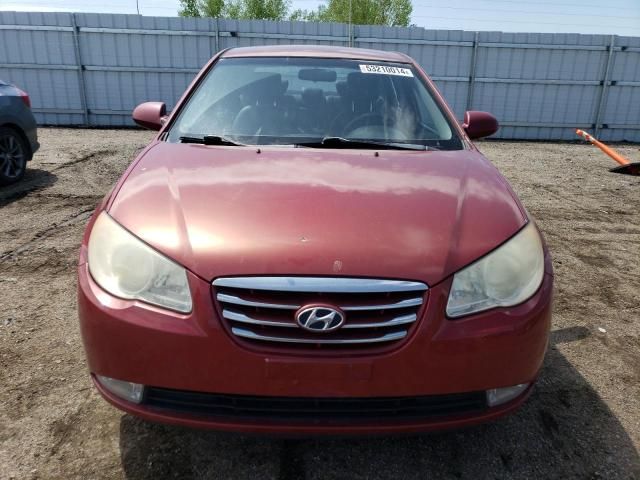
point(261, 310)
point(313, 410)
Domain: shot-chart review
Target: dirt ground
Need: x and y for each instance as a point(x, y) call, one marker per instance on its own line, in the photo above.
point(582, 421)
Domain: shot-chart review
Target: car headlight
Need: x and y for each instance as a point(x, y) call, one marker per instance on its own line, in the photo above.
point(128, 268)
point(507, 276)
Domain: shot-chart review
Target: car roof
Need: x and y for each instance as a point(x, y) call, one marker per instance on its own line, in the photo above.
point(317, 51)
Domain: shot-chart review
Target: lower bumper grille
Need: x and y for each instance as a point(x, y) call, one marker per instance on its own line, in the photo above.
point(313, 410)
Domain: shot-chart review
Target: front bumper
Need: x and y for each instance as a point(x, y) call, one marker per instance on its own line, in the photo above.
point(139, 343)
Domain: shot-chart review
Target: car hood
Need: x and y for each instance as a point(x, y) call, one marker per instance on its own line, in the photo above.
point(300, 211)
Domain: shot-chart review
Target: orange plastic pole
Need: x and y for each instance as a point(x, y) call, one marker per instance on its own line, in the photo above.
point(609, 151)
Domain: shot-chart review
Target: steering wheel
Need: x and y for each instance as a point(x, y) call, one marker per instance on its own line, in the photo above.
point(362, 120)
point(430, 129)
point(392, 134)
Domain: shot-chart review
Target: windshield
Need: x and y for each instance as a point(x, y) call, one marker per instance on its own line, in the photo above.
point(294, 101)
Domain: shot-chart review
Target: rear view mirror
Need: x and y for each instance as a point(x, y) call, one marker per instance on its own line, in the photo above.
point(317, 75)
point(151, 115)
point(479, 124)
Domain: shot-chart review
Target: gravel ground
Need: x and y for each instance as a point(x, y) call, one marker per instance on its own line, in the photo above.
point(582, 421)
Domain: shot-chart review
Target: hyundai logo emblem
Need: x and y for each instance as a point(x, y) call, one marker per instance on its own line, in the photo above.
point(320, 319)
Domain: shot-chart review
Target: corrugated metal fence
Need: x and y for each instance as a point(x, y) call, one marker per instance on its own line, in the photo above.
point(92, 69)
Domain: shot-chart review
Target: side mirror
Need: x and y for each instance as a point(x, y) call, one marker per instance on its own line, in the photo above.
point(479, 124)
point(151, 115)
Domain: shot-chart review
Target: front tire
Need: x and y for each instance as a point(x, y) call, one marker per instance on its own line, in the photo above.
point(13, 156)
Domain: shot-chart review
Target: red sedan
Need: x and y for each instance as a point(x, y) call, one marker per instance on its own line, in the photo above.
point(313, 245)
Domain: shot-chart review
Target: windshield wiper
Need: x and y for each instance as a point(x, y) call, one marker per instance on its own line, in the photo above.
point(339, 142)
point(211, 140)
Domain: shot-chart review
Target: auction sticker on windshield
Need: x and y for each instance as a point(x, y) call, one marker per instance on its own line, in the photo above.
point(386, 70)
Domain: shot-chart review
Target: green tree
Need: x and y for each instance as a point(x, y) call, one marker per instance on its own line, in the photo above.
point(393, 13)
point(265, 9)
point(239, 9)
point(212, 8)
point(189, 8)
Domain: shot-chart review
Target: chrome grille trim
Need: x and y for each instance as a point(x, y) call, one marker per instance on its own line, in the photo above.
point(225, 298)
point(261, 311)
point(241, 317)
point(410, 302)
point(388, 337)
point(403, 320)
point(320, 284)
